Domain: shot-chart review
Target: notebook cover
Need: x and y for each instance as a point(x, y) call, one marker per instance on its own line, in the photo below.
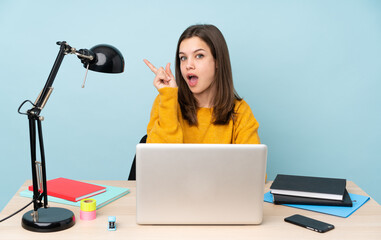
point(111, 194)
point(71, 190)
point(303, 186)
point(358, 201)
point(284, 199)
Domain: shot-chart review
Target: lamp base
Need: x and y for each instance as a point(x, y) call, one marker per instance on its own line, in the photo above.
point(50, 219)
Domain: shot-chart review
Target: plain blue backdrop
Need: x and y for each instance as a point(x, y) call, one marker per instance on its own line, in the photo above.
point(310, 70)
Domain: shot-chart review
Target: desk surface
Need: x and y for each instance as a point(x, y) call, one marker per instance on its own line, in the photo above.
point(365, 223)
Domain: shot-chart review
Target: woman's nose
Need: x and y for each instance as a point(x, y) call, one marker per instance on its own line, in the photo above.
point(190, 64)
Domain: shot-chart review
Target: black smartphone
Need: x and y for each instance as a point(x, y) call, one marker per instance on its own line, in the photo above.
point(309, 223)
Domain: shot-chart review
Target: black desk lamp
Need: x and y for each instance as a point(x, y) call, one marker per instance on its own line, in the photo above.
point(100, 58)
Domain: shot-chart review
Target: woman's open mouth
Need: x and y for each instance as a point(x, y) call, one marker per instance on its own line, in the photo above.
point(192, 80)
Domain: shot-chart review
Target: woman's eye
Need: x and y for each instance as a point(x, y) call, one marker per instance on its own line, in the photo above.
point(199, 56)
point(182, 58)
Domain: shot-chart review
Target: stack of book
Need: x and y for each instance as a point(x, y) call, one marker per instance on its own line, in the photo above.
point(71, 190)
point(291, 189)
point(68, 191)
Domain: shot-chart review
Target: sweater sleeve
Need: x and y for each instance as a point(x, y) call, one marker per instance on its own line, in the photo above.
point(245, 126)
point(164, 125)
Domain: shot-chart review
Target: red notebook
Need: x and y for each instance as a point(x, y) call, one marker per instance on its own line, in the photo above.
point(71, 190)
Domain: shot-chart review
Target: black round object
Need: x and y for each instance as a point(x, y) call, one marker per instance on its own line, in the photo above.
point(108, 59)
point(50, 219)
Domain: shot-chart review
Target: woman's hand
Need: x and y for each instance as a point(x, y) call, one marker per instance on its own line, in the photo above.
point(164, 77)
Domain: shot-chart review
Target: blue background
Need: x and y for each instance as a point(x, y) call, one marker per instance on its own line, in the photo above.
point(310, 70)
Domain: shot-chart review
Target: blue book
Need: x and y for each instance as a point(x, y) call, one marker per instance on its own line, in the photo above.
point(358, 201)
point(102, 199)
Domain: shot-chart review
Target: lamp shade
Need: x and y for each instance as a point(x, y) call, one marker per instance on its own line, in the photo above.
point(108, 59)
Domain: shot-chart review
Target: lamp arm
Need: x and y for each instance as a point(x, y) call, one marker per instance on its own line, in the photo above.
point(38, 168)
point(46, 91)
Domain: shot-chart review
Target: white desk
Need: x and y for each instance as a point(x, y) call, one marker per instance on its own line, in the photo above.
point(365, 223)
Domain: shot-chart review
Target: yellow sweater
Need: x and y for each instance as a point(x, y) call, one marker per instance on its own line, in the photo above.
point(168, 126)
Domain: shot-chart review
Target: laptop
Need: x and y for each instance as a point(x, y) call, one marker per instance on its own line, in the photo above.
point(200, 183)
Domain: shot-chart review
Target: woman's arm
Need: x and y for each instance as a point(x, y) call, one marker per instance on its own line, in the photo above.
point(245, 125)
point(164, 125)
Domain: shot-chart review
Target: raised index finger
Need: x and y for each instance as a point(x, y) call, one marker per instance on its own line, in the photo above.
point(168, 70)
point(152, 67)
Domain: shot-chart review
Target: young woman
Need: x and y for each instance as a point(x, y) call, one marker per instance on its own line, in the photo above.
point(200, 104)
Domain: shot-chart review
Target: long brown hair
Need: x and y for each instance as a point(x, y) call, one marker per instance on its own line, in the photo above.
point(223, 101)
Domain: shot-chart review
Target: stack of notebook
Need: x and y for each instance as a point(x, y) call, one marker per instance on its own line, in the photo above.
point(68, 191)
point(291, 189)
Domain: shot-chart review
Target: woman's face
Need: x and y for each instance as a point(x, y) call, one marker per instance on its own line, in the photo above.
point(197, 67)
